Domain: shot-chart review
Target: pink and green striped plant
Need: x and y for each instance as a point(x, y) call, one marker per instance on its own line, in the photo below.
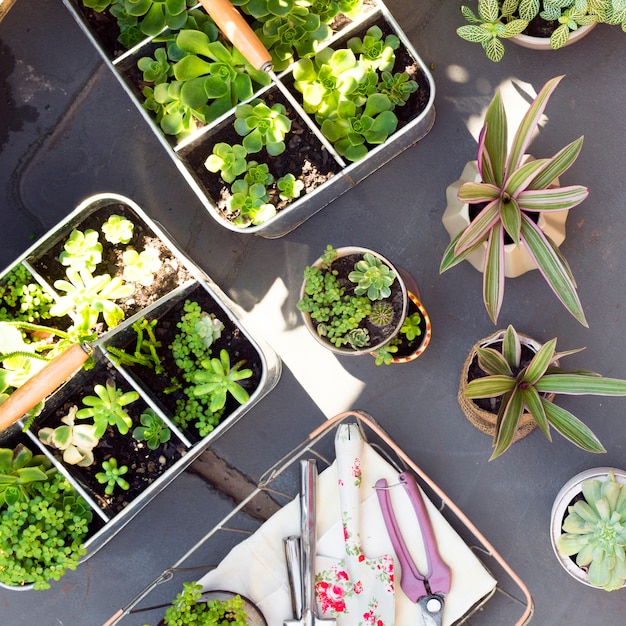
point(514, 190)
point(528, 389)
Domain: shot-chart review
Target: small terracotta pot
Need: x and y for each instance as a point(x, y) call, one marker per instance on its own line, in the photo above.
point(563, 499)
point(398, 284)
point(517, 260)
point(543, 43)
point(484, 420)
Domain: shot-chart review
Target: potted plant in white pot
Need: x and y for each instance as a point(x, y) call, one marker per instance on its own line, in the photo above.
point(545, 25)
point(522, 388)
point(353, 300)
point(588, 527)
point(511, 196)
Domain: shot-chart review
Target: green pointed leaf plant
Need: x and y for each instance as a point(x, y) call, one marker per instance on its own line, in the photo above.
point(513, 192)
point(595, 533)
point(527, 389)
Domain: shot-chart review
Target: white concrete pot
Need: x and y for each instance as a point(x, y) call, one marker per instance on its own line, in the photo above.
point(543, 43)
point(559, 510)
point(517, 260)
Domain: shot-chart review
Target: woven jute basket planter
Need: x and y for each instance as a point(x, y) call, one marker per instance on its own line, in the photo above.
point(484, 420)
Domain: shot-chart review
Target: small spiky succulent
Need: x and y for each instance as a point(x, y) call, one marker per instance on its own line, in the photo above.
point(595, 531)
point(382, 313)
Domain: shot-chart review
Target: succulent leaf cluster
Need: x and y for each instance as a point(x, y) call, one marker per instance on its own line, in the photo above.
point(595, 533)
point(373, 277)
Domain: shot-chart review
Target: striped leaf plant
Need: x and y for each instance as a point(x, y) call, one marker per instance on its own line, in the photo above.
point(514, 192)
point(527, 389)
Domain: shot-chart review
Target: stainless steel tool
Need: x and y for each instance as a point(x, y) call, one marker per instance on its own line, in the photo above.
point(308, 491)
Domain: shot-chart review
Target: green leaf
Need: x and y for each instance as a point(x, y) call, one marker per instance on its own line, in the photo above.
point(555, 199)
point(193, 42)
point(529, 123)
point(539, 363)
point(474, 193)
point(479, 228)
point(581, 384)
point(532, 400)
point(550, 264)
point(492, 362)
point(559, 36)
point(154, 22)
point(494, 49)
point(508, 421)
point(489, 386)
point(572, 428)
point(522, 176)
point(493, 272)
point(191, 67)
point(495, 137)
point(557, 165)
point(450, 259)
point(511, 219)
point(511, 347)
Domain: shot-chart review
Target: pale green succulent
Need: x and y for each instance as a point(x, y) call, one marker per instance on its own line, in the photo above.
point(373, 277)
point(595, 531)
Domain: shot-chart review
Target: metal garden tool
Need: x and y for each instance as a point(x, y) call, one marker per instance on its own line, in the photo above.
point(308, 489)
point(357, 588)
point(240, 34)
point(42, 384)
point(428, 589)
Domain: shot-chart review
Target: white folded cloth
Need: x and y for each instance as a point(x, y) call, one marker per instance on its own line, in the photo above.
point(255, 568)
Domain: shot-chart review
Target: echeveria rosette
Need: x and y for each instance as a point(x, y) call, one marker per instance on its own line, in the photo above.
point(353, 129)
point(595, 533)
point(527, 389)
point(262, 126)
point(511, 189)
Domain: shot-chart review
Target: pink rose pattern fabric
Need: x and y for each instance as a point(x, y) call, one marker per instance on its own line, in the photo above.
point(356, 591)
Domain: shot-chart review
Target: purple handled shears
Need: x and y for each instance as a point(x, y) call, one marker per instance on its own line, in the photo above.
point(429, 590)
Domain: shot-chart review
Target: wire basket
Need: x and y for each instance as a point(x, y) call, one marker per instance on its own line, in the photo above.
point(509, 602)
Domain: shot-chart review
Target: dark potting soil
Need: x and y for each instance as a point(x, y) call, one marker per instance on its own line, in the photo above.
point(171, 273)
point(232, 339)
point(378, 334)
point(304, 157)
point(475, 371)
point(144, 465)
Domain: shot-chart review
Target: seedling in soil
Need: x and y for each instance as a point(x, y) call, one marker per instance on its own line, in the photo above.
point(152, 430)
point(107, 408)
point(112, 476)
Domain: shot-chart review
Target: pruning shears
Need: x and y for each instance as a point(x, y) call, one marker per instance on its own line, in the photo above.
point(428, 589)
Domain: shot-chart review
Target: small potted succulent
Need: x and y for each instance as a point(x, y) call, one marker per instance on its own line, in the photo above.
point(353, 300)
point(212, 608)
point(505, 219)
point(588, 527)
point(545, 25)
point(515, 380)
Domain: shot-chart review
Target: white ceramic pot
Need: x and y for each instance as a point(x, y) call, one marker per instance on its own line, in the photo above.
point(559, 510)
point(517, 260)
point(543, 43)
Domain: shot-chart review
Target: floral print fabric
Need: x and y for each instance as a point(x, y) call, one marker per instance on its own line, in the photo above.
point(357, 591)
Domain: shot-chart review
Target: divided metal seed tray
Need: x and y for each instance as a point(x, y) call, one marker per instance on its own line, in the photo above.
point(198, 285)
point(510, 602)
point(189, 154)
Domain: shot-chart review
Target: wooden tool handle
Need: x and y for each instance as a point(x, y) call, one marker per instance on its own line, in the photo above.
point(238, 32)
point(41, 385)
